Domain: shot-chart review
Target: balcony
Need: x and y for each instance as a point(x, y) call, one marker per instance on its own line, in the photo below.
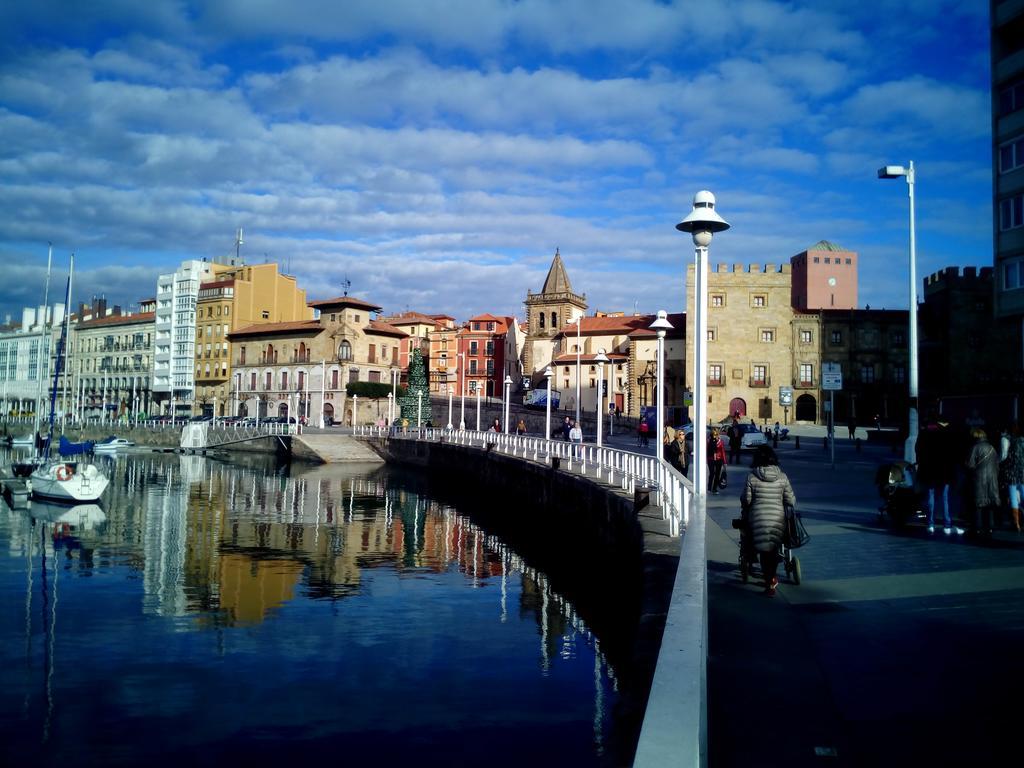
point(300, 358)
point(807, 384)
point(760, 382)
point(716, 382)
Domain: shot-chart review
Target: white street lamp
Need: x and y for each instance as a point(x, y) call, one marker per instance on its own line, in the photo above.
point(508, 387)
point(600, 359)
point(702, 222)
point(661, 325)
point(479, 391)
point(355, 404)
point(579, 323)
point(419, 409)
point(910, 447)
point(611, 400)
point(462, 401)
point(391, 413)
point(451, 391)
point(548, 373)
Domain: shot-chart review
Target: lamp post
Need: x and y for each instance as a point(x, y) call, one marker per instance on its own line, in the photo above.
point(548, 373)
point(895, 172)
point(462, 394)
point(451, 391)
point(355, 404)
point(508, 389)
point(479, 391)
point(611, 400)
point(702, 222)
point(579, 323)
point(661, 325)
point(419, 409)
point(601, 359)
point(391, 413)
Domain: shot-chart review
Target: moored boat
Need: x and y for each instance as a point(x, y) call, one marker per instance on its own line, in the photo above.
point(69, 482)
point(112, 444)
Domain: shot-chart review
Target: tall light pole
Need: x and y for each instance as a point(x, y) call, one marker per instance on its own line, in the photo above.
point(611, 400)
point(451, 391)
point(548, 373)
point(393, 397)
point(579, 323)
point(508, 388)
point(600, 359)
point(419, 408)
point(391, 413)
point(479, 392)
point(661, 325)
point(462, 395)
point(895, 172)
point(702, 222)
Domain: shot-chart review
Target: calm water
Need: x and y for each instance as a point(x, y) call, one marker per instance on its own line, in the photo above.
point(210, 613)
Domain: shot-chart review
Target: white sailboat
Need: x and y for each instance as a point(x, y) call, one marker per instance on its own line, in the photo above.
point(58, 479)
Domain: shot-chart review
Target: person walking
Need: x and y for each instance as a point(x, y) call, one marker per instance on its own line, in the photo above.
point(676, 452)
point(983, 466)
point(566, 428)
point(644, 431)
point(936, 470)
point(763, 503)
point(576, 438)
point(1012, 455)
point(667, 439)
point(735, 441)
point(521, 427)
point(715, 459)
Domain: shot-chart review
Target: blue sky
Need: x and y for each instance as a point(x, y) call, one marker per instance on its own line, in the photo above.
point(436, 154)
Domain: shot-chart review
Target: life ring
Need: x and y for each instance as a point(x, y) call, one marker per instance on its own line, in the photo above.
point(64, 472)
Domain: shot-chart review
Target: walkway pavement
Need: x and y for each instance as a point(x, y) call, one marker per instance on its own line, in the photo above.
point(900, 647)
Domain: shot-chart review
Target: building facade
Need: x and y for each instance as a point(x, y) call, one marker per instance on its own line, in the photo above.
point(547, 313)
point(25, 358)
point(824, 277)
point(301, 368)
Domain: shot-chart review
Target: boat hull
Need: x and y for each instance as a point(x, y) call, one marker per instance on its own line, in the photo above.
point(69, 483)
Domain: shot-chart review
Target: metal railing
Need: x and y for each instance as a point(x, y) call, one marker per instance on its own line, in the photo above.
point(624, 469)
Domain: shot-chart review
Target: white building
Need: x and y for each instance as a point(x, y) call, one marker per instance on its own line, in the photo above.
point(25, 359)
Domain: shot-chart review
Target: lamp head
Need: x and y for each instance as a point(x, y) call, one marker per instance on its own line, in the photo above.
point(601, 357)
point(508, 380)
point(703, 221)
point(548, 373)
point(891, 172)
point(661, 323)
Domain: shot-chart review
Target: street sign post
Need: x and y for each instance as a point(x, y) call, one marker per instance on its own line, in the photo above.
point(832, 380)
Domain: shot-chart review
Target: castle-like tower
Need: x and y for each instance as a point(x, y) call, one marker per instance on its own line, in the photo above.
point(547, 313)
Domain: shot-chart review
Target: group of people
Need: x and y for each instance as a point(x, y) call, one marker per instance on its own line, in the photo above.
point(994, 475)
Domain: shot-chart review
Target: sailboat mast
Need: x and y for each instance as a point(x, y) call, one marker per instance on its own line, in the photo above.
point(40, 378)
point(67, 337)
point(56, 377)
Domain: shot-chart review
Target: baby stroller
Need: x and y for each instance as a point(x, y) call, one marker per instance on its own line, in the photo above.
point(895, 483)
point(748, 556)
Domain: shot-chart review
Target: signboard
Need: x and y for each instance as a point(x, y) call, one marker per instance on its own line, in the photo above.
point(785, 396)
point(831, 376)
point(688, 399)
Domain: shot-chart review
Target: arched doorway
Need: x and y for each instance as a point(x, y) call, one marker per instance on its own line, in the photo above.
point(328, 414)
point(738, 407)
point(282, 410)
point(806, 408)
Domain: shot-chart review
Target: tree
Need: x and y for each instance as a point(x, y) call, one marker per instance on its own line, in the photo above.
point(417, 384)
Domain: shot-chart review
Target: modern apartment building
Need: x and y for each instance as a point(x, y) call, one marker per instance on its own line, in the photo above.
point(1007, 50)
point(25, 350)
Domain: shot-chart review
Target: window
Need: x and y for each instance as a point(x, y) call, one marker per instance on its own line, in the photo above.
point(302, 379)
point(711, 334)
point(806, 374)
point(805, 337)
point(1011, 212)
point(828, 260)
point(759, 375)
point(472, 366)
point(473, 347)
point(490, 367)
point(759, 300)
point(768, 335)
point(554, 319)
point(267, 385)
point(849, 261)
point(899, 338)
point(345, 351)
point(1013, 275)
point(375, 376)
point(715, 375)
point(899, 374)
point(356, 319)
point(284, 380)
point(489, 349)
point(717, 300)
point(867, 373)
point(353, 374)
point(252, 381)
point(565, 384)
point(592, 382)
point(566, 370)
point(334, 379)
point(265, 314)
point(816, 259)
point(1011, 97)
point(836, 337)
point(476, 326)
point(490, 326)
point(472, 386)
point(227, 311)
point(334, 318)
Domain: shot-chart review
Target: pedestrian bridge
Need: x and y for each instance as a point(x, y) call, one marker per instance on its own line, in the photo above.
point(674, 731)
point(203, 435)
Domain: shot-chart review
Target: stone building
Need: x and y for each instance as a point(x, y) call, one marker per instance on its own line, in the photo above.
point(824, 277)
point(750, 339)
point(546, 313)
point(301, 368)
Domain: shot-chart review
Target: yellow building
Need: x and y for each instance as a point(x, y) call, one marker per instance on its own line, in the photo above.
point(237, 297)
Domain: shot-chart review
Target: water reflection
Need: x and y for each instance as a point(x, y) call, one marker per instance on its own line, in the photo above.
point(344, 589)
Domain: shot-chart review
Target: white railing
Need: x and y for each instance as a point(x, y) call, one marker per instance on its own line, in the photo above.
point(629, 471)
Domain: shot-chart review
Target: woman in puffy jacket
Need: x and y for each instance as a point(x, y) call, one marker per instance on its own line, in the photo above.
point(765, 498)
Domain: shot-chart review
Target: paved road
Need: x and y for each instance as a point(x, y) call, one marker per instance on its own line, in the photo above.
point(900, 648)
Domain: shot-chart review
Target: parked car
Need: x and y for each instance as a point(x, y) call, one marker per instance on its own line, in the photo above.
point(752, 436)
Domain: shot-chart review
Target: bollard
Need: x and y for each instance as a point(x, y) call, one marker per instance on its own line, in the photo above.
point(824, 443)
point(856, 444)
point(796, 442)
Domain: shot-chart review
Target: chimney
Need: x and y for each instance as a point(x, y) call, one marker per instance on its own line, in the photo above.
point(28, 319)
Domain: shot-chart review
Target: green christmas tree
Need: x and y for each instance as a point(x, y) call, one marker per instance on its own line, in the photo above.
point(411, 400)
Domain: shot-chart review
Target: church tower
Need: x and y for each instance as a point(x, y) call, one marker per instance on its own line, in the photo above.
point(547, 313)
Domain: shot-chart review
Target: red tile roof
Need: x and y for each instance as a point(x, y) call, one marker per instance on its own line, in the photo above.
point(629, 325)
point(141, 317)
point(380, 328)
point(344, 301)
point(276, 329)
point(570, 358)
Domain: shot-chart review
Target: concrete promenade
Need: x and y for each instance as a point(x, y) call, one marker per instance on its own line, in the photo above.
point(900, 647)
